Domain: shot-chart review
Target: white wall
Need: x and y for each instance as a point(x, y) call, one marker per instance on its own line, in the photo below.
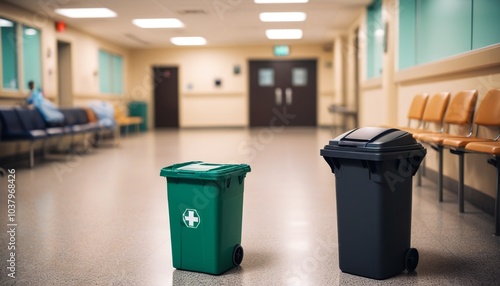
point(207, 105)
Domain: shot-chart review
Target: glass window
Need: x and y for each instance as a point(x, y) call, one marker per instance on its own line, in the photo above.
point(375, 39)
point(9, 54)
point(32, 59)
point(299, 76)
point(110, 73)
point(266, 77)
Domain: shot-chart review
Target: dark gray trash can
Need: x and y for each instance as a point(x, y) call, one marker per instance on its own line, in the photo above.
point(373, 169)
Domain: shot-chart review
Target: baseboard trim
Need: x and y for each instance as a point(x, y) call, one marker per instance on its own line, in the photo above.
point(475, 197)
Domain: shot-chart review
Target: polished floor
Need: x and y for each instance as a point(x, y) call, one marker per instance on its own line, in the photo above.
point(102, 218)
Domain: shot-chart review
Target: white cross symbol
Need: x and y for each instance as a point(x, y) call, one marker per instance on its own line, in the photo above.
point(191, 218)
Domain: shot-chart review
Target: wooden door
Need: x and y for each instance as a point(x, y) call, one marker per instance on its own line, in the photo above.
point(284, 91)
point(166, 92)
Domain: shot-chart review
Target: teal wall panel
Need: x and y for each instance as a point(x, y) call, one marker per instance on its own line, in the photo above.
point(375, 39)
point(407, 35)
point(485, 23)
point(443, 28)
point(9, 55)
point(110, 73)
point(32, 56)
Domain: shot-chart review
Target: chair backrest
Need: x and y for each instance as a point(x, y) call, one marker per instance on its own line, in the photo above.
point(461, 108)
point(38, 120)
point(436, 107)
point(26, 118)
point(81, 116)
point(69, 116)
point(488, 111)
point(90, 115)
point(10, 122)
point(417, 106)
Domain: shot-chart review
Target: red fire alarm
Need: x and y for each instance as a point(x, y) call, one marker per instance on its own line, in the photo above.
point(60, 26)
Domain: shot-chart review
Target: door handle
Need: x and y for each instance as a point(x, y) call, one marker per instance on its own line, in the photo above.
point(278, 96)
point(289, 96)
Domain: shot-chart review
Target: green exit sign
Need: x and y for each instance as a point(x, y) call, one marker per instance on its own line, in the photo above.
point(281, 50)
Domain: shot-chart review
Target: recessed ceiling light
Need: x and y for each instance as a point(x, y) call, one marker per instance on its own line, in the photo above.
point(6, 23)
point(284, 34)
point(282, 16)
point(87, 12)
point(279, 1)
point(158, 23)
point(188, 41)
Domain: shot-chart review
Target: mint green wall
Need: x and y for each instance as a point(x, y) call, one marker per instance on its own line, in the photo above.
point(375, 42)
point(437, 29)
point(485, 23)
point(32, 60)
point(110, 73)
point(444, 28)
point(104, 72)
point(407, 23)
point(117, 74)
point(9, 57)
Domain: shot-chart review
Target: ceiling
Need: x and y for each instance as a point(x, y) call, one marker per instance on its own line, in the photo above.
point(221, 22)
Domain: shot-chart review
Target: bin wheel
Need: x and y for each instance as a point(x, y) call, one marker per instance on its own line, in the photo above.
point(411, 260)
point(237, 255)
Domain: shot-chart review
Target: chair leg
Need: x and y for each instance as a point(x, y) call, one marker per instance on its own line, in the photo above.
point(495, 161)
point(440, 172)
point(461, 179)
point(32, 154)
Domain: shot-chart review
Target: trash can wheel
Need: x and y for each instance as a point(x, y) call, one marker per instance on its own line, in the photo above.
point(411, 259)
point(237, 255)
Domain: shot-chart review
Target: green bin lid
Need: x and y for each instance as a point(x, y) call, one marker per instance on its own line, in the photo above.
point(202, 170)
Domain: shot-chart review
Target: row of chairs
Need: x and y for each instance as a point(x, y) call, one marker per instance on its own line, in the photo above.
point(27, 124)
point(458, 112)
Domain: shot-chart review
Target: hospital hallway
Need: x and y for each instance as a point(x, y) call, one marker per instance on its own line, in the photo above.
point(102, 217)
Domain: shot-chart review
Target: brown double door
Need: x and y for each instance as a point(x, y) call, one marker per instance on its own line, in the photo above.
point(284, 91)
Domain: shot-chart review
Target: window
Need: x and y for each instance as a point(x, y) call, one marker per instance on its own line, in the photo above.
point(9, 54)
point(266, 77)
point(32, 60)
point(110, 73)
point(375, 39)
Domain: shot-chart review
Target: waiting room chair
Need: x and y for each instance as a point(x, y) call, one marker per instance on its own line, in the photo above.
point(459, 113)
point(493, 149)
point(487, 116)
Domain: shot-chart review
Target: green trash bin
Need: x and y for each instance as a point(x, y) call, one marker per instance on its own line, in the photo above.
point(205, 203)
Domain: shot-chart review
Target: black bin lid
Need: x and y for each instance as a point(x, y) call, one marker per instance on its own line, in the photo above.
point(372, 143)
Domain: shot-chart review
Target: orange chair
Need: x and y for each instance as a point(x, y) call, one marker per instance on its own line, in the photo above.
point(459, 113)
point(416, 111)
point(123, 120)
point(433, 113)
point(487, 115)
point(493, 149)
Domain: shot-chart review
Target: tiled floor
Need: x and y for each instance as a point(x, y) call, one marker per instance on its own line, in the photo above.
point(102, 219)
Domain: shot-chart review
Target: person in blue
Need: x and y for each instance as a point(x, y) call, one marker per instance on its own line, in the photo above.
point(50, 113)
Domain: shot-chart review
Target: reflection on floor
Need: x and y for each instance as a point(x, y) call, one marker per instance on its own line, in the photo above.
point(102, 219)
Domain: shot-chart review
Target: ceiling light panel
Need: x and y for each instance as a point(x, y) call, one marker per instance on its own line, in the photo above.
point(158, 23)
point(86, 12)
point(188, 41)
point(280, 1)
point(282, 16)
point(284, 34)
